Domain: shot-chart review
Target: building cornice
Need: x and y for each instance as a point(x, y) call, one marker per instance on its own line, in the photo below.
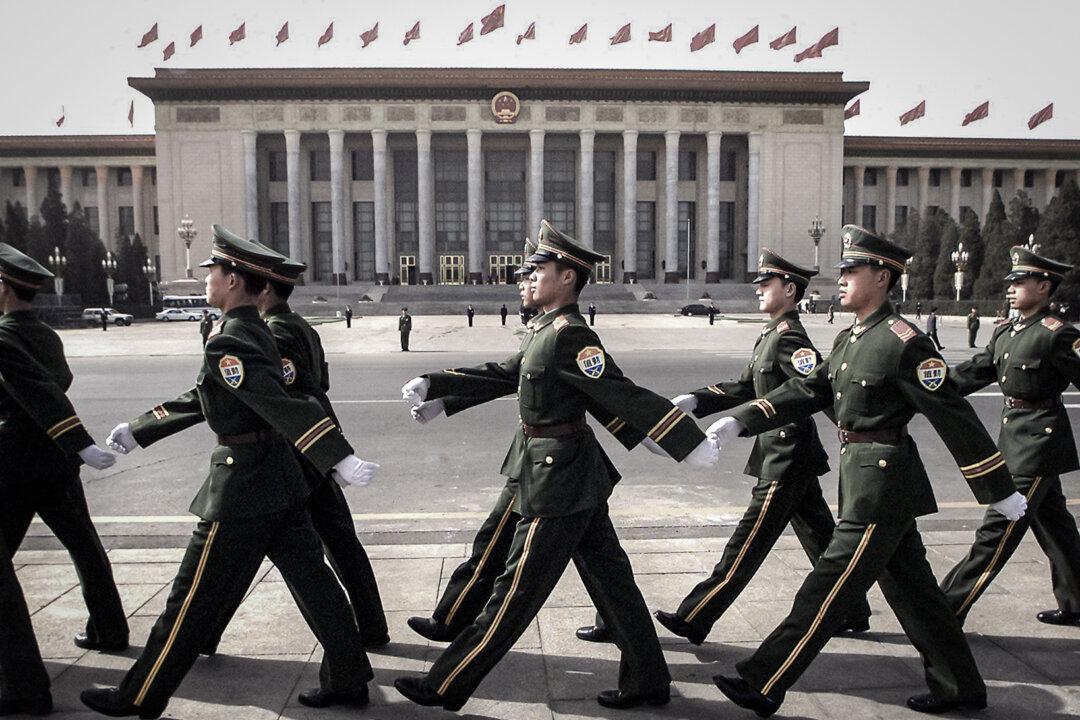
point(966, 148)
point(76, 145)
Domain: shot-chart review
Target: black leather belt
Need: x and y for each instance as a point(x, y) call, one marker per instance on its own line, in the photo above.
point(553, 431)
point(247, 438)
point(888, 436)
point(1018, 404)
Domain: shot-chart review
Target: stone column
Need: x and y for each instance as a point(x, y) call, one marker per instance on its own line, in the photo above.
point(382, 248)
point(1018, 179)
point(924, 190)
point(137, 202)
point(101, 173)
point(1051, 175)
point(586, 185)
point(987, 190)
point(536, 182)
point(337, 200)
point(890, 198)
point(712, 205)
point(858, 176)
point(753, 202)
point(30, 176)
point(671, 206)
point(297, 245)
point(251, 185)
point(425, 214)
point(474, 138)
point(954, 193)
point(66, 174)
point(629, 206)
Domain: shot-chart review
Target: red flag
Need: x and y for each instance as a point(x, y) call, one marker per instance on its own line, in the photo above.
point(60, 120)
point(1040, 117)
point(149, 36)
point(852, 110)
point(327, 35)
point(530, 32)
point(703, 38)
point(661, 35)
point(784, 40)
point(196, 36)
point(131, 114)
point(241, 32)
point(914, 113)
point(466, 35)
point(623, 35)
point(749, 38)
point(827, 40)
point(978, 113)
point(170, 50)
point(493, 20)
point(369, 36)
point(579, 36)
point(413, 34)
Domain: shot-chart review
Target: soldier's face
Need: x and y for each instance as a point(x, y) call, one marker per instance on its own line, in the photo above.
point(216, 285)
point(525, 290)
point(1028, 294)
point(862, 287)
point(774, 295)
point(548, 284)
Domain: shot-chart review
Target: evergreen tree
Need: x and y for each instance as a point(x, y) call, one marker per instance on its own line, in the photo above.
point(1058, 235)
point(15, 225)
point(38, 243)
point(84, 252)
point(3, 234)
point(130, 259)
point(927, 245)
point(972, 242)
point(1023, 216)
point(54, 217)
point(944, 270)
point(998, 236)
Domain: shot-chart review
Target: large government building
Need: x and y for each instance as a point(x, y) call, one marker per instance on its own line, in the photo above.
point(425, 176)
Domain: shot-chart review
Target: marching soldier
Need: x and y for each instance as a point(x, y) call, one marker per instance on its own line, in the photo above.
point(251, 505)
point(880, 373)
point(1033, 359)
point(564, 480)
point(42, 442)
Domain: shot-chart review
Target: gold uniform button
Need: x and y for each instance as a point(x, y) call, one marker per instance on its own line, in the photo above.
point(863, 383)
point(229, 460)
point(1012, 334)
point(853, 339)
point(843, 366)
point(1048, 430)
point(843, 450)
point(783, 434)
point(1023, 367)
point(528, 376)
point(1006, 356)
point(839, 395)
point(1003, 378)
point(1004, 421)
point(549, 459)
point(881, 463)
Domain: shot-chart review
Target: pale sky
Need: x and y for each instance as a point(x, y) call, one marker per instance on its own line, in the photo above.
point(955, 54)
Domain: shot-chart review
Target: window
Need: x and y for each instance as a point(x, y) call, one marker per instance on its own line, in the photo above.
point(18, 177)
point(727, 239)
point(451, 200)
point(1029, 178)
point(687, 165)
point(153, 175)
point(504, 196)
point(406, 221)
point(279, 227)
point(646, 239)
point(88, 176)
point(646, 165)
point(728, 166)
point(157, 228)
point(869, 177)
point(320, 165)
point(123, 177)
point(869, 217)
point(901, 216)
point(363, 165)
point(560, 188)
point(92, 220)
point(935, 177)
point(903, 177)
point(999, 178)
point(965, 177)
point(279, 168)
point(687, 212)
point(127, 220)
point(364, 233)
point(322, 244)
point(604, 202)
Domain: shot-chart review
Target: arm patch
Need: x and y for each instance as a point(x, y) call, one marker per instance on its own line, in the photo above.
point(902, 330)
point(1052, 323)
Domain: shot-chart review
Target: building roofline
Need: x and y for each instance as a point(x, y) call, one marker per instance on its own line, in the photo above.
point(179, 84)
point(76, 145)
point(950, 147)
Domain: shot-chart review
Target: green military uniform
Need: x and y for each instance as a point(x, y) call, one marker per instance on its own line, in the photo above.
point(404, 326)
point(881, 372)
point(787, 462)
point(1033, 360)
point(251, 505)
point(563, 482)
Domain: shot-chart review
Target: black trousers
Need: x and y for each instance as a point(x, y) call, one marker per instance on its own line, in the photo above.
point(61, 504)
point(404, 341)
point(22, 673)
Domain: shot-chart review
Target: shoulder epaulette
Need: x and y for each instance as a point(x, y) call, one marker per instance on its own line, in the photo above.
point(903, 331)
point(1052, 323)
point(560, 322)
point(782, 327)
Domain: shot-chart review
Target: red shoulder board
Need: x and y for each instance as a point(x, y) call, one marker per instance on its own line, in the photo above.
point(560, 322)
point(903, 331)
point(782, 327)
point(1052, 323)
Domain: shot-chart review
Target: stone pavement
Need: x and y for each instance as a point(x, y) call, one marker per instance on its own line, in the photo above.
point(268, 654)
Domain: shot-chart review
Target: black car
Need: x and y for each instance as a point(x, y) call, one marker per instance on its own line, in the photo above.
point(694, 309)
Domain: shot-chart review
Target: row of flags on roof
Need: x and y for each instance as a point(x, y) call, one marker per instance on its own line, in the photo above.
point(980, 112)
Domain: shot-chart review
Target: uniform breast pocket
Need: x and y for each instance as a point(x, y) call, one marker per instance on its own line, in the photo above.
point(766, 376)
point(531, 387)
point(866, 391)
point(1022, 377)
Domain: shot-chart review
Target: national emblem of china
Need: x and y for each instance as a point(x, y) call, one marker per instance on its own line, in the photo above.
point(505, 107)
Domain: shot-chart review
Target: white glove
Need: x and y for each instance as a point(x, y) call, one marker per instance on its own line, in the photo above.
point(724, 430)
point(121, 439)
point(686, 403)
point(354, 471)
point(654, 448)
point(707, 454)
point(426, 411)
point(414, 391)
point(96, 457)
point(1012, 507)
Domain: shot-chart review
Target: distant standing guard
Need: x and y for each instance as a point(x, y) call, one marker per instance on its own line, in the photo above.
point(592, 314)
point(348, 316)
point(502, 314)
point(104, 320)
point(206, 326)
point(931, 328)
point(832, 313)
point(918, 310)
point(404, 326)
point(1033, 359)
point(469, 312)
point(712, 313)
point(973, 326)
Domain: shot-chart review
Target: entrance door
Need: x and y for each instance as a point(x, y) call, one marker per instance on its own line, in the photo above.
point(407, 269)
point(451, 269)
point(603, 271)
point(502, 267)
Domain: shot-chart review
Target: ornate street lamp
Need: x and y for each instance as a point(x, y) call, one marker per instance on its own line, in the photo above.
point(960, 258)
point(187, 233)
point(149, 270)
point(905, 278)
point(1031, 245)
point(108, 264)
point(816, 232)
point(58, 264)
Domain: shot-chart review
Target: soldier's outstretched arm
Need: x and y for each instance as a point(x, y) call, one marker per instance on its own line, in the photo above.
point(167, 419)
point(797, 398)
point(722, 396)
point(976, 373)
point(483, 382)
point(1065, 353)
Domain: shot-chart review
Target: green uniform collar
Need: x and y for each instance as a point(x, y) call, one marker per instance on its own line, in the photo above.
point(544, 319)
point(790, 316)
point(886, 310)
point(282, 308)
point(1020, 324)
point(244, 312)
point(18, 315)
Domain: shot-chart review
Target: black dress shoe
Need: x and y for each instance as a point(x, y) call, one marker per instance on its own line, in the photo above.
point(418, 690)
point(377, 643)
point(853, 627)
point(90, 643)
point(428, 628)
point(1058, 617)
point(739, 692)
point(680, 627)
point(38, 705)
point(107, 702)
point(320, 697)
point(594, 633)
point(929, 704)
point(619, 700)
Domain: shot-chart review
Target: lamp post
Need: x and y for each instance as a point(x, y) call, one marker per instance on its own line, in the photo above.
point(58, 263)
point(960, 258)
point(149, 270)
point(187, 233)
point(816, 232)
point(905, 278)
point(108, 264)
point(1031, 245)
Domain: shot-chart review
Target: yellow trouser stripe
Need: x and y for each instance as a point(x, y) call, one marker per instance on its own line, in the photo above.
point(985, 577)
point(502, 611)
point(824, 609)
point(179, 618)
point(481, 564)
point(742, 553)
